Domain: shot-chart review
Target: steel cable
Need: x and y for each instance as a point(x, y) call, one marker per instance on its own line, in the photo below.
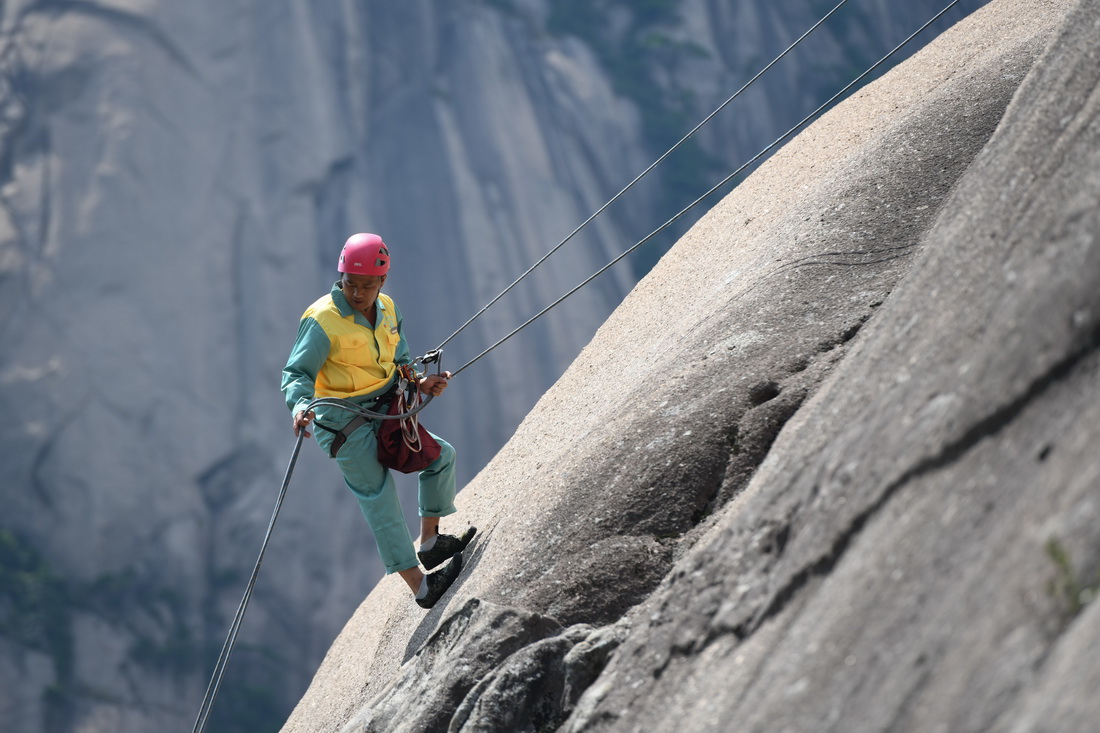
point(721, 183)
point(641, 175)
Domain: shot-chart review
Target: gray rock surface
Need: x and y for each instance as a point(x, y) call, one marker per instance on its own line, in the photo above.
point(920, 511)
point(849, 421)
point(471, 644)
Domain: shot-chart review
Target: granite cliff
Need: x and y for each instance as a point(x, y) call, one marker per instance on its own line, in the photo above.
point(175, 181)
point(849, 484)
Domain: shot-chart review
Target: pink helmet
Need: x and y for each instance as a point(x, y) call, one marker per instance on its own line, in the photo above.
point(365, 254)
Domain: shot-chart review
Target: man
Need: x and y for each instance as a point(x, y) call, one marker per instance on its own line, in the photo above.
point(349, 346)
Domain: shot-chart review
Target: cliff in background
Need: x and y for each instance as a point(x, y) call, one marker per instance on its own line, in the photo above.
point(175, 182)
point(851, 486)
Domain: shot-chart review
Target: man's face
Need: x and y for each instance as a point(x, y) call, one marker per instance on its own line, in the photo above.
point(361, 290)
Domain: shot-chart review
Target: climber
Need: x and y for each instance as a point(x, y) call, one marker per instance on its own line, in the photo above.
point(350, 344)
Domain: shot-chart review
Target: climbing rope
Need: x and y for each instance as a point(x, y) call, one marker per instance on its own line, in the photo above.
point(408, 418)
point(641, 175)
point(721, 183)
point(231, 639)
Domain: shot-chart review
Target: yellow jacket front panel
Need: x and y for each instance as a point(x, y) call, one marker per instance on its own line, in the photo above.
point(338, 353)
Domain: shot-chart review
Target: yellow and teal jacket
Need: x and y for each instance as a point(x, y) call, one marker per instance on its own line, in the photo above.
point(338, 353)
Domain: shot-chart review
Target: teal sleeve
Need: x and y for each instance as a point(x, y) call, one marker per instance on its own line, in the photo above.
point(306, 359)
point(401, 354)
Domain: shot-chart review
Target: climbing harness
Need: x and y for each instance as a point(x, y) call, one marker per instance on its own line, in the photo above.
point(341, 436)
point(408, 413)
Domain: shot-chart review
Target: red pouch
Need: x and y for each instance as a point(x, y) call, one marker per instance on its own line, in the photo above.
point(404, 445)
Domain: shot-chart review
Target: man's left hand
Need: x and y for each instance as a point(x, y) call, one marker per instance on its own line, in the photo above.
point(434, 384)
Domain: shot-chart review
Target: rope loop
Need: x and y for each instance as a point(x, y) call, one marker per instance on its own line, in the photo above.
point(408, 392)
point(432, 357)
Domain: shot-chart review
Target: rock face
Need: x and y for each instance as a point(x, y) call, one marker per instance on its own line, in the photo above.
point(853, 486)
point(175, 182)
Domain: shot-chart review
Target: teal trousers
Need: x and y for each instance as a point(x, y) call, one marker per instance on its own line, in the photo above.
point(374, 488)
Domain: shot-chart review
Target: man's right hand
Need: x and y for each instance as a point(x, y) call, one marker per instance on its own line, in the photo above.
point(301, 420)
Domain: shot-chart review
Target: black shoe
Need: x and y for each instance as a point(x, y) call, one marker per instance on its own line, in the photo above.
point(445, 546)
point(440, 581)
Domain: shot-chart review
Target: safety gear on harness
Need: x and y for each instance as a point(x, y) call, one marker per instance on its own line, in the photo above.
point(405, 445)
point(364, 254)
